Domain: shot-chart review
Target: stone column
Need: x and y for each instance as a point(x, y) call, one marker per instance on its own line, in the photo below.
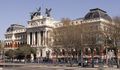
point(33, 38)
point(43, 37)
point(46, 37)
point(38, 39)
point(28, 38)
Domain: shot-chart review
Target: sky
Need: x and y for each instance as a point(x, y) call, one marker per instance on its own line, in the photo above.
point(18, 11)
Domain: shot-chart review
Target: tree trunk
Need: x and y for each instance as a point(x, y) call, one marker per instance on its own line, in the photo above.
point(106, 51)
point(25, 58)
point(118, 64)
point(92, 58)
point(71, 58)
point(81, 58)
point(56, 61)
point(71, 62)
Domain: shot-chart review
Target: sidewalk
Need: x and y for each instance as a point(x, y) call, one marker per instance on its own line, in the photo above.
point(64, 67)
point(57, 67)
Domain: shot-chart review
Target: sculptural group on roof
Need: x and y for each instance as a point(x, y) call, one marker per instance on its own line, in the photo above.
point(38, 12)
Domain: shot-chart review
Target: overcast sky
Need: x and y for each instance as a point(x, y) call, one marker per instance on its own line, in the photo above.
point(18, 11)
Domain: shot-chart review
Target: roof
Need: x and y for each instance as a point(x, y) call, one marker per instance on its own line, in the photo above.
point(14, 27)
point(97, 13)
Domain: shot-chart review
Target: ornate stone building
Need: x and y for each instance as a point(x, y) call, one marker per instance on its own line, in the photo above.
point(97, 26)
point(15, 36)
point(38, 33)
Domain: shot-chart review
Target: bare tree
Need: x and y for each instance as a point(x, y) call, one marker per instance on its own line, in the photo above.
point(115, 35)
point(1, 50)
point(112, 37)
point(89, 39)
point(69, 38)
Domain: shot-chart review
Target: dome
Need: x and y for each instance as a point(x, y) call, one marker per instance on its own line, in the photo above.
point(14, 27)
point(97, 13)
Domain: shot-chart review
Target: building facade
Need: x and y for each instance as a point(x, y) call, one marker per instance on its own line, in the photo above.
point(97, 27)
point(15, 36)
point(38, 33)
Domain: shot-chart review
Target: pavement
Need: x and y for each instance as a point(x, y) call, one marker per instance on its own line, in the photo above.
point(54, 68)
point(48, 67)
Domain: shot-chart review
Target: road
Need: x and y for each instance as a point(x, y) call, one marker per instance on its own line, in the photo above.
point(52, 68)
